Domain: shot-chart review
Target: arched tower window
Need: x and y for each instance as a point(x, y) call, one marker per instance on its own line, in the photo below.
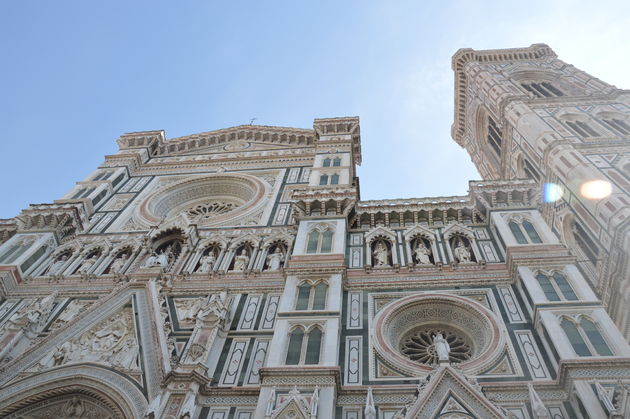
point(304, 348)
point(326, 162)
point(523, 231)
point(336, 162)
point(312, 297)
point(323, 180)
point(585, 338)
point(334, 179)
point(542, 89)
point(583, 129)
point(518, 234)
point(531, 232)
point(319, 241)
point(494, 138)
point(556, 287)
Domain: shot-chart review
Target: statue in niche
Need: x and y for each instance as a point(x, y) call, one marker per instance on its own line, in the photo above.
point(241, 261)
point(118, 263)
point(442, 348)
point(160, 258)
point(380, 254)
point(55, 267)
point(87, 264)
point(462, 252)
point(206, 263)
point(274, 260)
point(422, 253)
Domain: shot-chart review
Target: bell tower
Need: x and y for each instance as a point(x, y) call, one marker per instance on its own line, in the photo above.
point(523, 113)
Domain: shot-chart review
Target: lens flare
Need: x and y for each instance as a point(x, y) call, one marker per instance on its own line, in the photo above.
point(596, 189)
point(552, 192)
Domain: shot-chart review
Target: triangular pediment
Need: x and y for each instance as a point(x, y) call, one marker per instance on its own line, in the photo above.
point(244, 138)
point(448, 393)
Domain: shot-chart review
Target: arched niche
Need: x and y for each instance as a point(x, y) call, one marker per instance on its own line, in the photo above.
point(61, 388)
point(381, 248)
point(461, 244)
point(419, 236)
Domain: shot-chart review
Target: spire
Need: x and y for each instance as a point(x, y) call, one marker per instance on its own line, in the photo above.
point(538, 407)
point(370, 410)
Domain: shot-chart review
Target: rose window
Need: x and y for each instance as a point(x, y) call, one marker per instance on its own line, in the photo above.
point(210, 210)
point(418, 346)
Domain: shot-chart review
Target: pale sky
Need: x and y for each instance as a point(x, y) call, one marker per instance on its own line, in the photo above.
point(75, 75)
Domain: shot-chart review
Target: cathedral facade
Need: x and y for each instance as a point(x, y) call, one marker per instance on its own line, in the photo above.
point(237, 274)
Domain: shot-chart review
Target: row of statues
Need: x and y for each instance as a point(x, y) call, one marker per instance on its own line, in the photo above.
point(422, 253)
point(241, 261)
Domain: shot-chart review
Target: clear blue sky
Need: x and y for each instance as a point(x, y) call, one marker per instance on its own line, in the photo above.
point(77, 74)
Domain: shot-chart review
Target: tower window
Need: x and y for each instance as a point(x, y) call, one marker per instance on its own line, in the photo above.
point(529, 170)
point(336, 162)
point(326, 162)
point(319, 241)
point(304, 348)
point(334, 179)
point(312, 297)
point(544, 89)
point(494, 136)
point(582, 129)
point(585, 338)
point(618, 126)
point(323, 180)
point(585, 243)
point(524, 231)
point(556, 287)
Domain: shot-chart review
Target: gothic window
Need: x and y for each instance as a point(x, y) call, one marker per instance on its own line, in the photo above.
point(518, 234)
point(336, 162)
point(530, 171)
point(304, 348)
point(334, 179)
point(78, 194)
point(33, 258)
point(118, 179)
point(531, 232)
point(585, 243)
point(575, 338)
point(13, 253)
point(323, 180)
point(585, 337)
point(556, 287)
point(595, 337)
point(99, 197)
point(494, 136)
point(524, 232)
point(618, 126)
point(102, 176)
point(582, 129)
point(319, 241)
point(312, 297)
point(542, 89)
point(326, 162)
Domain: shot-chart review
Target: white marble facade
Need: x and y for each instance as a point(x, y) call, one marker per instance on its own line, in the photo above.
point(235, 274)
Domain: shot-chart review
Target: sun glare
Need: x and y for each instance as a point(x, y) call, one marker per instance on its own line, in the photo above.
point(596, 189)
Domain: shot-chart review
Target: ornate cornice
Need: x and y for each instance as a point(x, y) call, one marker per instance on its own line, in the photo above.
point(466, 55)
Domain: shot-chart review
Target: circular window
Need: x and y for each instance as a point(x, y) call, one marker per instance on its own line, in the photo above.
point(418, 345)
point(405, 332)
point(210, 200)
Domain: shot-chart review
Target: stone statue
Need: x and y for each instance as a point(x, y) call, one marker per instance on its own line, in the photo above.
point(275, 259)
point(151, 261)
point(441, 347)
point(62, 354)
point(381, 254)
point(241, 261)
point(462, 252)
point(187, 308)
point(118, 264)
point(87, 264)
point(55, 267)
point(207, 262)
point(164, 256)
point(422, 253)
